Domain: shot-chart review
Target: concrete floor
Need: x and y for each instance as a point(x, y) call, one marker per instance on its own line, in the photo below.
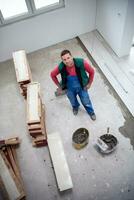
point(94, 176)
point(119, 71)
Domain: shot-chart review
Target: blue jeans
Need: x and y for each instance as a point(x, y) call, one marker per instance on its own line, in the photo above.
point(73, 89)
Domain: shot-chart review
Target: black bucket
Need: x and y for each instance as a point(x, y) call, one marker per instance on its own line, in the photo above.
point(111, 142)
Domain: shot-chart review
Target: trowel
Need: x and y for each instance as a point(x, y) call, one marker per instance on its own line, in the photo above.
point(57, 93)
point(107, 143)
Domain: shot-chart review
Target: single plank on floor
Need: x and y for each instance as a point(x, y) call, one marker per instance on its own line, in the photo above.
point(61, 169)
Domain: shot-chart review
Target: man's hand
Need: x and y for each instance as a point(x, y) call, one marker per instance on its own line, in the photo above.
point(87, 86)
point(59, 90)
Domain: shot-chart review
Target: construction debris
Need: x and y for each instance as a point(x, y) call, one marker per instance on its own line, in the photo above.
point(10, 179)
point(10, 141)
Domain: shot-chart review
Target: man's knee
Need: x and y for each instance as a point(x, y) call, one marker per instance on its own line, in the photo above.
point(85, 101)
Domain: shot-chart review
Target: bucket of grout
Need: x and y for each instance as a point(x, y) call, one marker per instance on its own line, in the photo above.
point(80, 138)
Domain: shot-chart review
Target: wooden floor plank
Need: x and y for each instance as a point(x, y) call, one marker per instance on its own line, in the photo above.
point(22, 68)
point(33, 111)
point(61, 169)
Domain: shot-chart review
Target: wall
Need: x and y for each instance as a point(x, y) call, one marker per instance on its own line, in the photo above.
point(128, 33)
point(47, 29)
point(115, 22)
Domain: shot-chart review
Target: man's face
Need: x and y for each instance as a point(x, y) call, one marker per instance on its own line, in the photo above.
point(68, 60)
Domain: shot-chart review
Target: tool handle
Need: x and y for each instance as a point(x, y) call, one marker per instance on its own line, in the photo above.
point(108, 128)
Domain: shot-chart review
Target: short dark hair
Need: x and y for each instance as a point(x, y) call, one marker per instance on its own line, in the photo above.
point(65, 52)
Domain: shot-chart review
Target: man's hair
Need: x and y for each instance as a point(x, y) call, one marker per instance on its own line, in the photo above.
point(65, 52)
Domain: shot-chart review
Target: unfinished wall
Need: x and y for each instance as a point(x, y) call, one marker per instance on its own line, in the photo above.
point(49, 28)
point(115, 22)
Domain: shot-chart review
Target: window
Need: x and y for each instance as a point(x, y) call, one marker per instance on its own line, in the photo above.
point(42, 3)
point(14, 10)
point(11, 8)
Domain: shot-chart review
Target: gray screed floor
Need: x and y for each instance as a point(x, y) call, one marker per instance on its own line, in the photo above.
point(95, 176)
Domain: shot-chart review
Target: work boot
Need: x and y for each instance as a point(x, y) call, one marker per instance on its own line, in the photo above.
point(75, 111)
point(93, 116)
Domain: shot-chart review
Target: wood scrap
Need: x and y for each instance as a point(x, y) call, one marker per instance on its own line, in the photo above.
point(39, 141)
point(11, 181)
point(10, 141)
point(3, 191)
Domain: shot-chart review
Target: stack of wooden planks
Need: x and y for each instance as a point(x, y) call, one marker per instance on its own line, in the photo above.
point(11, 185)
point(36, 115)
point(31, 92)
point(22, 70)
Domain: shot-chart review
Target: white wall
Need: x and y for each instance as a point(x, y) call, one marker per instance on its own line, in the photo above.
point(128, 32)
point(115, 22)
point(47, 29)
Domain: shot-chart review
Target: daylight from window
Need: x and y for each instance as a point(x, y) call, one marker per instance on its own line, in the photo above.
point(43, 3)
point(15, 10)
point(11, 8)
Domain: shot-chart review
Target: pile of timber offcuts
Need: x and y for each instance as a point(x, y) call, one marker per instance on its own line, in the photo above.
point(22, 70)
point(36, 115)
point(11, 185)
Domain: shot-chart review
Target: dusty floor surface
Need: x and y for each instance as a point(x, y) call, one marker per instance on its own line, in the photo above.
point(94, 176)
